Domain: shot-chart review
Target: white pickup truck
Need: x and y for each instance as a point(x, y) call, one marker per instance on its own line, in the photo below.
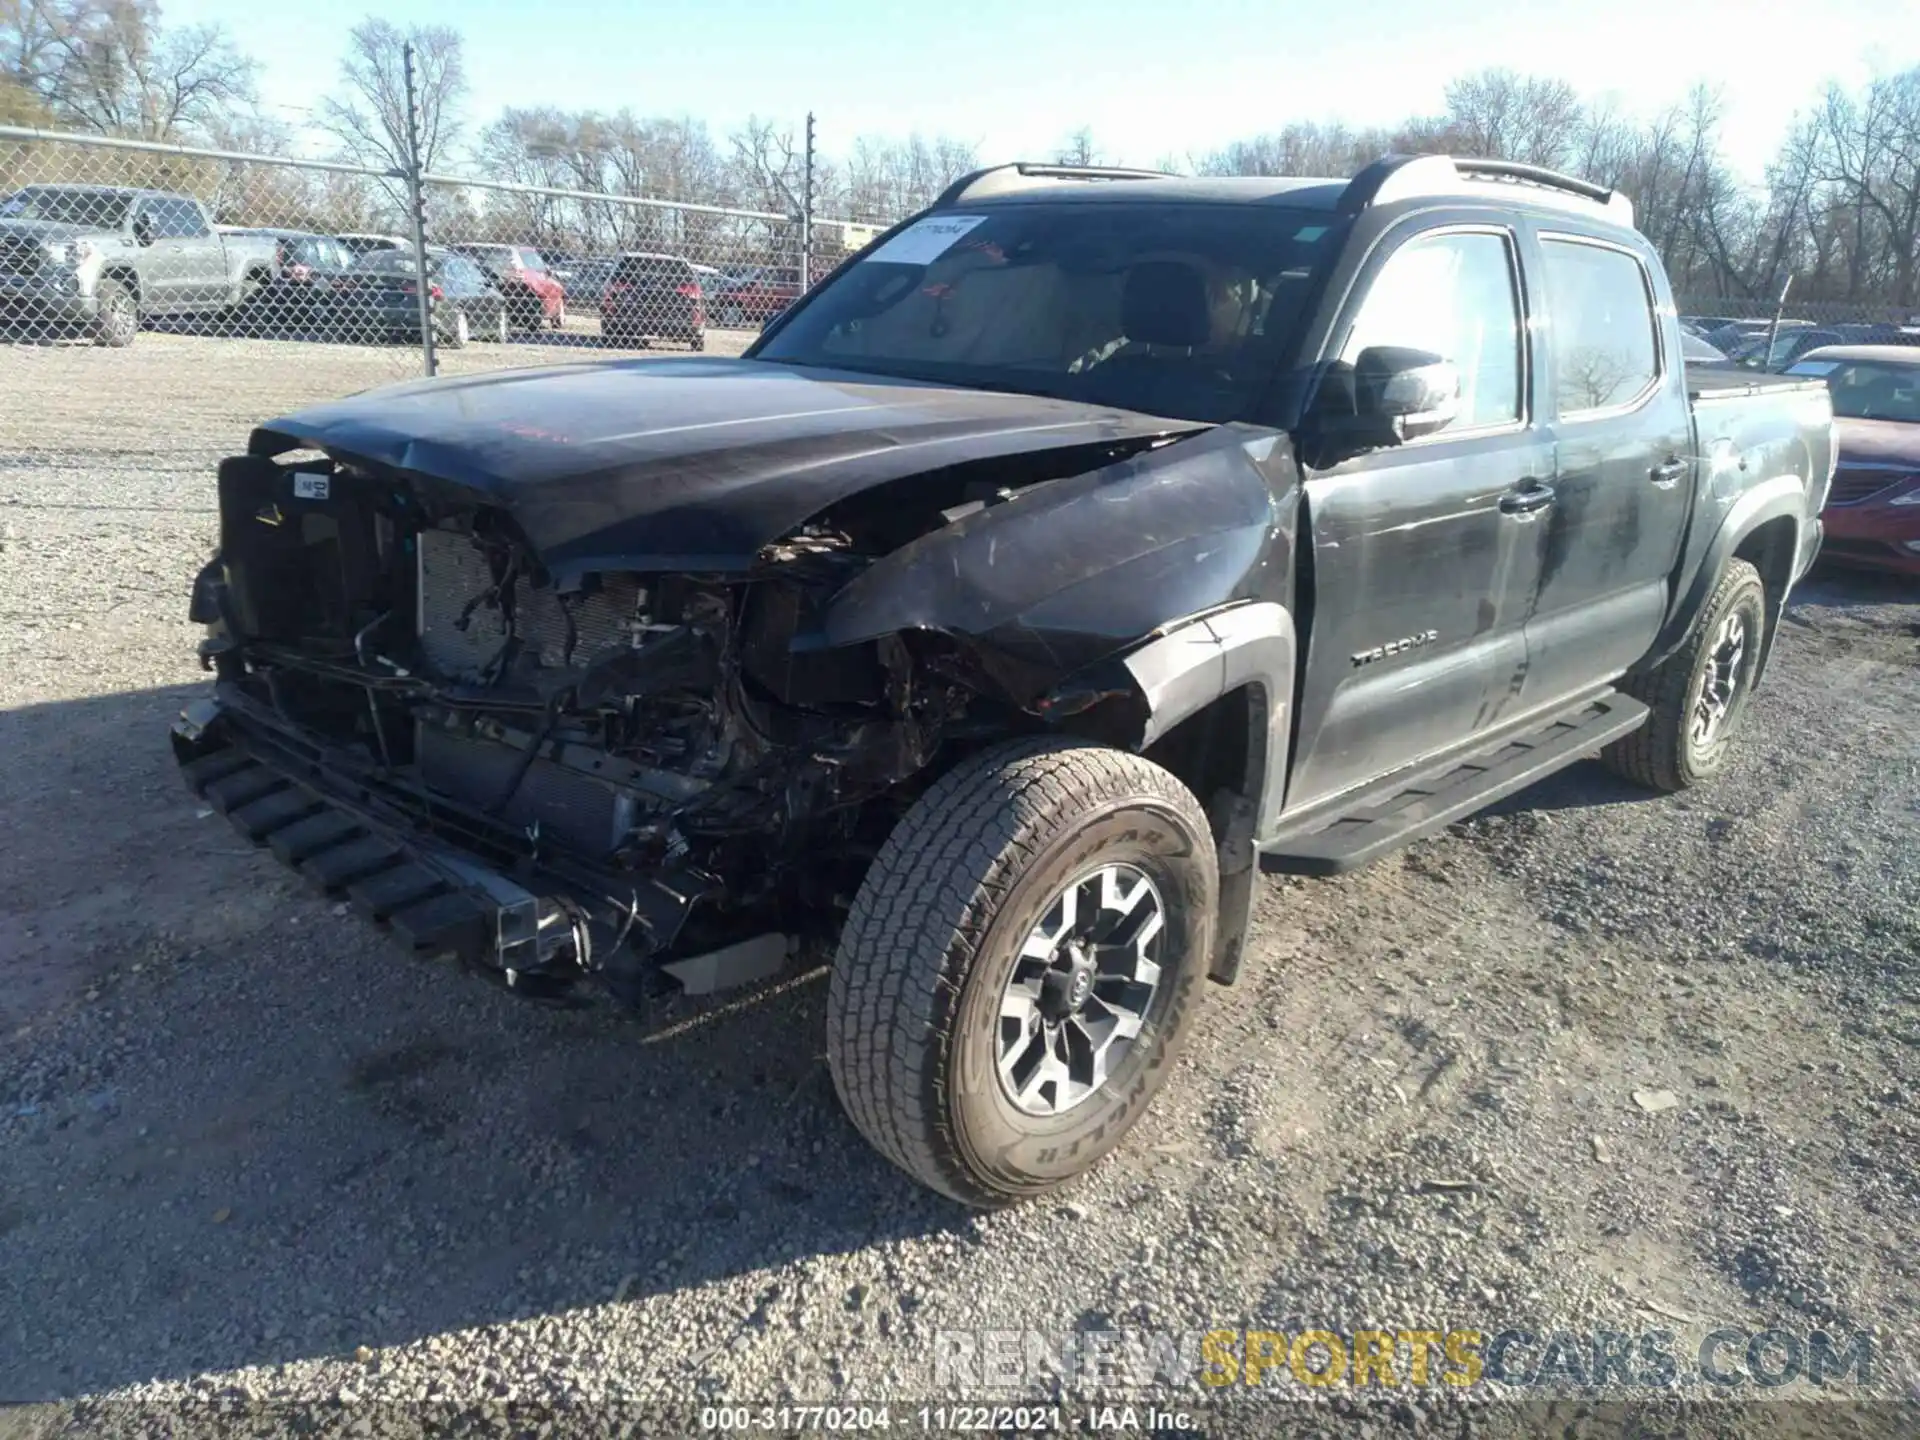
point(98, 258)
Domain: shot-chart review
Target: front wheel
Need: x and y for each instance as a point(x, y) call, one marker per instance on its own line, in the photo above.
point(116, 318)
point(1020, 965)
point(1698, 694)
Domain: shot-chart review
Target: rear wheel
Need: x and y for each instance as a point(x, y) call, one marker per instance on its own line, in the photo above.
point(1698, 694)
point(559, 320)
point(501, 331)
point(459, 333)
point(116, 318)
point(1020, 965)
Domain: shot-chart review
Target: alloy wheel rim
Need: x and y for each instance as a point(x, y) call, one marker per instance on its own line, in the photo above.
point(1080, 990)
point(1721, 679)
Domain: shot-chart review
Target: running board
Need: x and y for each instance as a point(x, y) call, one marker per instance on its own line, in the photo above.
point(1408, 805)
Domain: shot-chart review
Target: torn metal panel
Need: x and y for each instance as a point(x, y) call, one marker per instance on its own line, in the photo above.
point(1067, 572)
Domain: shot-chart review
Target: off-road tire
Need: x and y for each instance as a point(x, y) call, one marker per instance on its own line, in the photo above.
point(913, 1003)
point(116, 314)
point(1663, 753)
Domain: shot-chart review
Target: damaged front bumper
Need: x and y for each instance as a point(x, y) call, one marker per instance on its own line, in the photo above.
point(440, 876)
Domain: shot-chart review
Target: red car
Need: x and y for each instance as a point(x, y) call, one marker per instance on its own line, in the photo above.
point(534, 298)
point(754, 297)
point(1873, 511)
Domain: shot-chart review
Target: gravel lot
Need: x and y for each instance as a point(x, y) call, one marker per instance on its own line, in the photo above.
point(248, 1149)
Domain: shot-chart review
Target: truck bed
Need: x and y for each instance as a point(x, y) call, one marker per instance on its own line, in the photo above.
point(1729, 382)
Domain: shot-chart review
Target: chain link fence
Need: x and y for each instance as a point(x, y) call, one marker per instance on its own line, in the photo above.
point(162, 299)
point(1744, 329)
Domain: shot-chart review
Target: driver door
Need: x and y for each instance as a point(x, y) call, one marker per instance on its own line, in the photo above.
point(164, 282)
point(1424, 563)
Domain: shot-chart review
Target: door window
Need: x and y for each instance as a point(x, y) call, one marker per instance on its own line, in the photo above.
point(1602, 335)
point(178, 219)
point(1453, 295)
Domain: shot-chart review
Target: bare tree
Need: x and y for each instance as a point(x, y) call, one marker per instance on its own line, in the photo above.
point(1078, 149)
point(370, 119)
point(110, 67)
point(1499, 115)
point(887, 179)
point(1873, 153)
point(767, 164)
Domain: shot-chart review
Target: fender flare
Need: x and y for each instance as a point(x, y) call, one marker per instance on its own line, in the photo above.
point(1776, 498)
point(1184, 667)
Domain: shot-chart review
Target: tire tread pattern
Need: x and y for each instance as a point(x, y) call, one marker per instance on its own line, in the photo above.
point(921, 916)
point(1658, 754)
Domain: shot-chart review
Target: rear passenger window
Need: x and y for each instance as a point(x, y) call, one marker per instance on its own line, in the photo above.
point(181, 219)
point(1600, 326)
point(1452, 295)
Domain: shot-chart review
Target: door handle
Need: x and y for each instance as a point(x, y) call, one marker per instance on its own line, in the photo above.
point(1668, 472)
point(1534, 498)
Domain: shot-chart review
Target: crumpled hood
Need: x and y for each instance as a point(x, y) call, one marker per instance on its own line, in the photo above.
point(684, 464)
point(1878, 442)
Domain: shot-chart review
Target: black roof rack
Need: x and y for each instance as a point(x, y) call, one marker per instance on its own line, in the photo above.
point(997, 179)
point(1403, 177)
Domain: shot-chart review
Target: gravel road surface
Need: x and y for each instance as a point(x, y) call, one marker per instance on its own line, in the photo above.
point(1596, 1060)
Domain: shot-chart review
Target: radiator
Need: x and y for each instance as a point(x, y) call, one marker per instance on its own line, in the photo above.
point(453, 571)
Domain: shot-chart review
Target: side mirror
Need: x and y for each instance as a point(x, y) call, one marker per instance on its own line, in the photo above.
point(143, 228)
point(1389, 395)
point(1410, 393)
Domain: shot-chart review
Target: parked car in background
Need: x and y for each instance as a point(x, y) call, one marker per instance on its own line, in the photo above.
point(711, 280)
point(306, 266)
point(1738, 335)
point(1698, 352)
point(1706, 326)
point(654, 296)
point(754, 297)
point(534, 298)
point(1872, 517)
point(98, 258)
point(380, 298)
point(1755, 353)
point(364, 243)
point(587, 279)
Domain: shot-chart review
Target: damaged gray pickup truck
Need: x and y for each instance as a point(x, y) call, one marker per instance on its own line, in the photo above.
point(1085, 545)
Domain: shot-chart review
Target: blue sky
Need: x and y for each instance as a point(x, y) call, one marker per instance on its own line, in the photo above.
point(1150, 77)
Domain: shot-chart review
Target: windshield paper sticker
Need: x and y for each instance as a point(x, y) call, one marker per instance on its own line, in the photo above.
point(927, 240)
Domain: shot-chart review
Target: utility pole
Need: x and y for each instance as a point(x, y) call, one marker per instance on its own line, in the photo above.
point(417, 212)
point(806, 212)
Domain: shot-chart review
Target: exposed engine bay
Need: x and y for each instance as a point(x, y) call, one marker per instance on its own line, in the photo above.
point(668, 764)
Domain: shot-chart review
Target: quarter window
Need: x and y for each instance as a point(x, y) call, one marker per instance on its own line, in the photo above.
point(1454, 296)
point(1602, 335)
